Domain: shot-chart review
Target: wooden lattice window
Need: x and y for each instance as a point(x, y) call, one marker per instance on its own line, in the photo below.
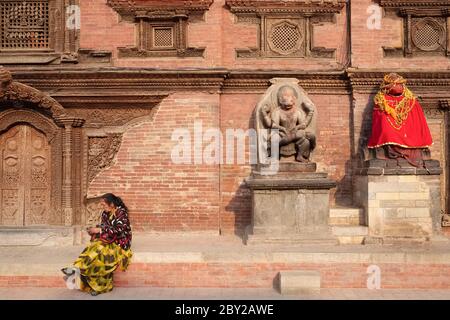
point(163, 37)
point(24, 25)
point(34, 31)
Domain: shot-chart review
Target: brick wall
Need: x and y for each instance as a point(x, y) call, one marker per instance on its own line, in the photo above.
point(162, 195)
point(171, 197)
point(218, 33)
point(166, 196)
point(258, 275)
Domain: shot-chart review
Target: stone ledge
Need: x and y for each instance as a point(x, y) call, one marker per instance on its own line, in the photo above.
point(38, 236)
point(401, 167)
point(293, 184)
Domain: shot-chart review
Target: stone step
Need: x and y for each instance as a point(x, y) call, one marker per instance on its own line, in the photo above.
point(346, 216)
point(294, 282)
point(350, 234)
point(39, 236)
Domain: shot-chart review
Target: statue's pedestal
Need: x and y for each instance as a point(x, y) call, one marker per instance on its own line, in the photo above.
point(402, 203)
point(291, 206)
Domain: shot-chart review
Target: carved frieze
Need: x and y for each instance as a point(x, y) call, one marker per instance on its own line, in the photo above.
point(293, 6)
point(99, 117)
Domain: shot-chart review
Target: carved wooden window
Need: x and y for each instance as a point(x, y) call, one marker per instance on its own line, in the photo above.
point(24, 25)
point(428, 34)
point(425, 28)
point(285, 31)
point(33, 31)
point(160, 38)
point(162, 26)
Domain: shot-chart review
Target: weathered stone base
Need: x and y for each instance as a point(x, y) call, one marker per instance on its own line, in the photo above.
point(325, 238)
point(400, 206)
point(291, 206)
point(40, 236)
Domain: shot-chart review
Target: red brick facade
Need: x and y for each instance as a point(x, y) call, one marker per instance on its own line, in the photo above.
point(163, 196)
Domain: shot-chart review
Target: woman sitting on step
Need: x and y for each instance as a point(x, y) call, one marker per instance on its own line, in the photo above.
point(109, 249)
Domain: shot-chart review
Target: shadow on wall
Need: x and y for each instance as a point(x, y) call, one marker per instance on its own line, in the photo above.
point(344, 189)
point(362, 152)
point(241, 202)
point(241, 206)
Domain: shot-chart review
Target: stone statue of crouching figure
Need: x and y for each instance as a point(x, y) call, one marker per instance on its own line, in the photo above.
point(295, 121)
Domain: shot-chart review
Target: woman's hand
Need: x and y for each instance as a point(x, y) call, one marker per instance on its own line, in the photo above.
point(92, 231)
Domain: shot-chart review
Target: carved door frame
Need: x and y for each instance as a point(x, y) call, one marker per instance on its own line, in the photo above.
point(13, 117)
point(26, 105)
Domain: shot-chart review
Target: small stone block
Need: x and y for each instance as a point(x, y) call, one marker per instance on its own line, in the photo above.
point(375, 163)
point(400, 171)
point(299, 281)
point(432, 163)
point(391, 163)
point(373, 171)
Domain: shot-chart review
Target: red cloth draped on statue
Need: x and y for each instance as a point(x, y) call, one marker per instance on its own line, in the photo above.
point(413, 132)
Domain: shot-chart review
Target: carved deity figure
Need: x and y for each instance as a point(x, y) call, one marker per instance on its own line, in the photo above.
point(287, 108)
point(399, 127)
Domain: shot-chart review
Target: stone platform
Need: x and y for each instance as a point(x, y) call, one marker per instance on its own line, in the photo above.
point(402, 202)
point(211, 261)
point(291, 206)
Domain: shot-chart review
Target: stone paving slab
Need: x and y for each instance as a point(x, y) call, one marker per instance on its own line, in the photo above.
point(219, 294)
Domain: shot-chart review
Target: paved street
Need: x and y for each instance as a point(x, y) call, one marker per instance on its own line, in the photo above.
point(219, 294)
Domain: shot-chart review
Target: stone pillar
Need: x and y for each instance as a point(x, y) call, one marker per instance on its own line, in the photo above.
point(401, 203)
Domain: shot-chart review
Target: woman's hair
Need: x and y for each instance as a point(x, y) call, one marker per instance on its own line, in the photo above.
point(115, 200)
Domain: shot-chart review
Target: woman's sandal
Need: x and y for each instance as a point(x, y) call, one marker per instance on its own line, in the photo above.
point(94, 293)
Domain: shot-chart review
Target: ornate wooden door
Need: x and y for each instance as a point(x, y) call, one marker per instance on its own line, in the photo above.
point(25, 177)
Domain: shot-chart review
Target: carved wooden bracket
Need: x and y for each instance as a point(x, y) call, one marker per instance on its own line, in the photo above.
point(445, 104)
point(101, 153)
point(162, 26)
point(286, 28)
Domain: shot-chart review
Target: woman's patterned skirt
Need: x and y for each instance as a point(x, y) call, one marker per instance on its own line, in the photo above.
point(97, 263)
